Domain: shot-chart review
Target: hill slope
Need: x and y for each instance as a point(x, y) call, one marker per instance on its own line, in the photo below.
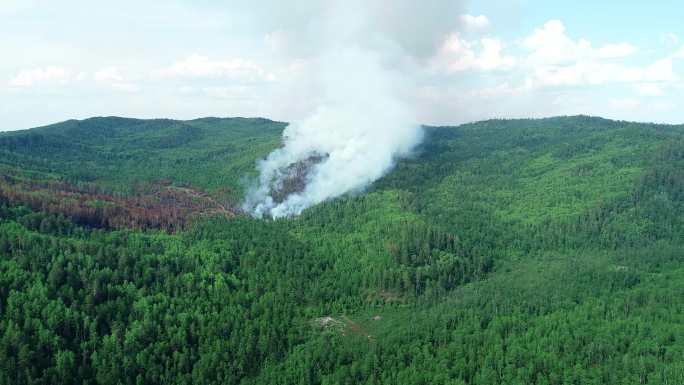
point(114, 152)
point(505, 252)
point(117, 172)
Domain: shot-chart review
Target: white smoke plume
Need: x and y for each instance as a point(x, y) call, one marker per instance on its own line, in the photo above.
point(363, 55)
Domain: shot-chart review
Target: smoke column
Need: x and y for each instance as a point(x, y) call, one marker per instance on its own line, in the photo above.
point(363, 121)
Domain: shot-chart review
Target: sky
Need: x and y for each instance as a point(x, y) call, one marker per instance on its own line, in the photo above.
point(74, 59)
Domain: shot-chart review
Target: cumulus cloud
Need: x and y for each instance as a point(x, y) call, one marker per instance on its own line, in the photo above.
point(554, 60)
point(546, 72)
point(587, 72)
point(610, 51)
point(452, 64)
point(503, 89)
point(198, 66)
point(491, 56)
point(232, 92)
point(649, 89)
point(112, 77)
point(108, 75)
point(458, 54)
point(551, 45)
point(474, 22)
point(44, 75)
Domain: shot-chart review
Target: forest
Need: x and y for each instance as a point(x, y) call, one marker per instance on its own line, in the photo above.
point(546, 251)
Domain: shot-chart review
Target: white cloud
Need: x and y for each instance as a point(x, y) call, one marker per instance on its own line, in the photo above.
point(236, 92)
point(125, 87)
point(474, 22)
point(549, 72)
point(491, 56)
point(610, 51)
point(551, 45)
point(504, 89)
point(663, 105)
point(660, 71)
point(551, 63)
point(649, 89)
point(199, 66)
point(588, 72)
point(111, 77)
point(108, 75)
point(457, 54)
point(554, 59)
point(624, 103)
point(31, 77)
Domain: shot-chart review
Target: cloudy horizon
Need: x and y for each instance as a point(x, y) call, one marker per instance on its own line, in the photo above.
point(193, 59)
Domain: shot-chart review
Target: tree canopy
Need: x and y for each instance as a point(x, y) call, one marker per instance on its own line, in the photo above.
point(543, 251)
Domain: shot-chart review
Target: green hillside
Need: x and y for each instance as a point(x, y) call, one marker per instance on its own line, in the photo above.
point(543, 251)
point(115, 152)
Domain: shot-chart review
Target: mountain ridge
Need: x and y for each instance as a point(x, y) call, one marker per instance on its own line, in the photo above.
point(502, 252)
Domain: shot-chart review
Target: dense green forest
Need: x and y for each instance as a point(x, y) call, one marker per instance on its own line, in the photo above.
point(545, 251)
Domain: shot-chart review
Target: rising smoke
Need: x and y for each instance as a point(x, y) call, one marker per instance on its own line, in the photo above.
point(363, 121)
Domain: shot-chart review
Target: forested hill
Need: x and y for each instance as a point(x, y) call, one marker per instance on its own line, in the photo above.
point(543, 251)
point(116, 152)
point(120, 172)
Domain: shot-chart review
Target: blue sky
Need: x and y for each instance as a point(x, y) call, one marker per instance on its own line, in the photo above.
point(478, 60)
